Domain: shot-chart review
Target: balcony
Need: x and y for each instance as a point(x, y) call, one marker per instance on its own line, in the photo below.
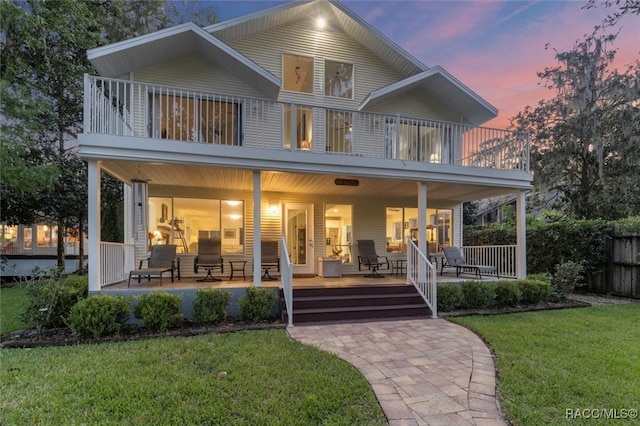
point(142, 110)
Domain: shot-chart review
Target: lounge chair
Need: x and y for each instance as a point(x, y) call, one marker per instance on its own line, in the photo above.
point(269, 258)
point(162, 259)
point(209, 257)
point(368, 257)
point(455, 259)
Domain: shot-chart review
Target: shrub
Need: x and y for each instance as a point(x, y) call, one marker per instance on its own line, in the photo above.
point(449, 296)
point(567, 276)
point(543, 276)
point(506, 292)
point(99, 315)
point(533, 290)
point(49, 298)
point(159, 310)
point(256, 305)
point(476, 294)
point(210, 305)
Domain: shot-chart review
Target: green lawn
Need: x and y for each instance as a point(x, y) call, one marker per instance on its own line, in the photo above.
point(243, 378)
point(11, 301)
point(584, 360)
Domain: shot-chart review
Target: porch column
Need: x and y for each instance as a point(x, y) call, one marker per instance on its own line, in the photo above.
point(422, 217)
point(93, 222)
point(521, 235)
point(257, 232)
point(422, 230)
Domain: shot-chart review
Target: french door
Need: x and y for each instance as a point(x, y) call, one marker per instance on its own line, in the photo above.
point(298, 224)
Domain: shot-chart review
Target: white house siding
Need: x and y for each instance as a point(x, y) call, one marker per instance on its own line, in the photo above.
point(193, 72)
point(370, 73)
point(196, 73)
point(415, 104)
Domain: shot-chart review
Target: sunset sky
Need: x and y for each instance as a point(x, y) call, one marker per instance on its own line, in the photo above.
point(494, 47)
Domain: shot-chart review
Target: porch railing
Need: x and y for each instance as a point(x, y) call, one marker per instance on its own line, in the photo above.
point(128, 108)
point(422, 274)
point(502, 257)
point(286, 280)
point(17, 249)
point(116, 260)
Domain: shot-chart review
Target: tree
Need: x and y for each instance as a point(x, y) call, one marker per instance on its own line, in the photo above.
point(42, 62)
point(585, 141)
point(623, 7)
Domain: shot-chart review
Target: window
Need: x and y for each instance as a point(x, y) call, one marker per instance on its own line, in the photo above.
point(200, 119)
point(182, 221)
point(9, 242)
point(339, 132)
point(338, 231)
point(303, 128)
point(402, 222)
point(47, 236)
point(297, 73)
point(418, 141)
point(338, 79)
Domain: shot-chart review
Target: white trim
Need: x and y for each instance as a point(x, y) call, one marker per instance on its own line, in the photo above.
point(482, 108)
point(93, 224)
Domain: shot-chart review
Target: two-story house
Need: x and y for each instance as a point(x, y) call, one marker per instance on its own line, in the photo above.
point(300, 123)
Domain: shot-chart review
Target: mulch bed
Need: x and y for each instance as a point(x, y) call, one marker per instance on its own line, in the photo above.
point(543, 306)
point(32, 338)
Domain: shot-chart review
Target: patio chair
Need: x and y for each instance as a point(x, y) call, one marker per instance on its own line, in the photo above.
point(368, 257)
point(209, 257)
point(269, 258)
point(162, 259)
point(455, 259)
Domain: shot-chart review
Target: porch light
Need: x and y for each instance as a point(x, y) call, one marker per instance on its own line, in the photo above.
point(273, 206)
point(320, 23)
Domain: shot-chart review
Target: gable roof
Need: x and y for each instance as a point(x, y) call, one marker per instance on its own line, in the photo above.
point(442, 86)
point(120, 58)
point(336, 15)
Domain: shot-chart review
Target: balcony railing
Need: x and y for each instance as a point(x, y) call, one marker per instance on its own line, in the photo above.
point(127, 108)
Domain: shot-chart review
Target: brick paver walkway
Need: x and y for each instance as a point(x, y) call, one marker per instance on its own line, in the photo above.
point(423, 371)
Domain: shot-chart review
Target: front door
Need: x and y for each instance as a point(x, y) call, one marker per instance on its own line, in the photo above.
point(298, 221)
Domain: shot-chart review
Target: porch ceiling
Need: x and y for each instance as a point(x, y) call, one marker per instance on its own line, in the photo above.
point(235, 179)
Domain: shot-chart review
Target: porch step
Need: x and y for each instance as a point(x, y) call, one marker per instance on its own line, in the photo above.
point(355, 302)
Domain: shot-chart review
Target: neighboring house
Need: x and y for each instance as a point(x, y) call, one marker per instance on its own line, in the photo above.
point(269, 125)
point(25, 248)
point(495, 209)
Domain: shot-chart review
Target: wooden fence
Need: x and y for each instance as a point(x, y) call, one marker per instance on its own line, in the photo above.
point(621, 275)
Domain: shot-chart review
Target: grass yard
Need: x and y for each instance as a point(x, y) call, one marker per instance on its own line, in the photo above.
point(243, 378)
point(573, 359)
point(11, 301)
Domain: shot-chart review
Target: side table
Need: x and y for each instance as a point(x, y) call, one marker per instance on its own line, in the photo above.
point(398, 267)
point(239, 266)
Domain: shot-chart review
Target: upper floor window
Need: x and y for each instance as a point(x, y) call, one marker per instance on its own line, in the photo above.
point(339, 131)
point(198, 118)
point(297, 73)
point(302, 136)
point(417, 140)
point(338, 78)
